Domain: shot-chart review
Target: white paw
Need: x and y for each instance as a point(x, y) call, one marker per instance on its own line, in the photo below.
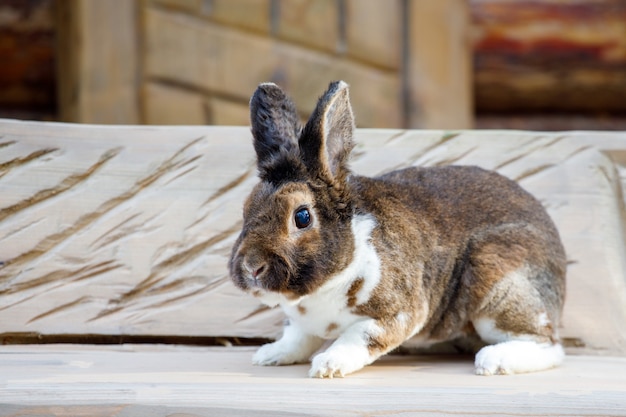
point(336, 363)
point(276, 353)
point(517, 356)
point(490, 361)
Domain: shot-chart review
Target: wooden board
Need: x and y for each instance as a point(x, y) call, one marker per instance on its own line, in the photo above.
point(158, 381)
point(127, 230)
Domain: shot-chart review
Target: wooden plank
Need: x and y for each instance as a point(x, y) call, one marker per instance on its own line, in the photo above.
point(314, 23)
point(439, 73)
point(246, 14)
point(374, 32)
point(127, 230)
point(98, 61)
point(166, 105)
point(166, 381)
point(225, 112)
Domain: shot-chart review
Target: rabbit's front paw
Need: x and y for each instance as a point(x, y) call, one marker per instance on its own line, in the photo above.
point(276, 353)
point(336, 363)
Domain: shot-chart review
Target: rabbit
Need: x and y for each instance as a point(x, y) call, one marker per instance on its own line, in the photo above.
point(362, 265)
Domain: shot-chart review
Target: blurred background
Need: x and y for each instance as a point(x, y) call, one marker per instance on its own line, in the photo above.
point(444, 64)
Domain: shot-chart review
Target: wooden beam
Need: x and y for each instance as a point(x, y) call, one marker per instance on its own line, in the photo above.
point(98, 61)
point(438, 71)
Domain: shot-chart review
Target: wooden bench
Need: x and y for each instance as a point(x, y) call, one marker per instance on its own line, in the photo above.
point(121, 234)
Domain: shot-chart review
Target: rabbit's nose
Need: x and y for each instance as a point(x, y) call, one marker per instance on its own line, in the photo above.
point(258, 271)
point(254, 267)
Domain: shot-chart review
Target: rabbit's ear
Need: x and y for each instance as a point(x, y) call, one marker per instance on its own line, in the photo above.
point(275, 125)
point(326, 139)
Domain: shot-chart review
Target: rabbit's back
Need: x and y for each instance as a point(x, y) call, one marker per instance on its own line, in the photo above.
point(471, 233)
point(463, 198)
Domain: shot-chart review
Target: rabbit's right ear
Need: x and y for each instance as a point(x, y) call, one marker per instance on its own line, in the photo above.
point(326, 139)
point(275, 126)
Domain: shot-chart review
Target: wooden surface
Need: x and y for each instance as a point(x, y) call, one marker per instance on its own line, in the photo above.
point(127, 230)
point(157, 381)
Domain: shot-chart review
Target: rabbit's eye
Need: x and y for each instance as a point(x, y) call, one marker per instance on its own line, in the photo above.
point(302, 218)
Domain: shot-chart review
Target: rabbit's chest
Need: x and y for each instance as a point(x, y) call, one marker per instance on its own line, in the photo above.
point(332, 308)
point(326, 317)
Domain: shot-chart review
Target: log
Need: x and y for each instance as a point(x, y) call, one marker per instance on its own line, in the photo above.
point(438, 72)
point(126, 230)
point(549, 55)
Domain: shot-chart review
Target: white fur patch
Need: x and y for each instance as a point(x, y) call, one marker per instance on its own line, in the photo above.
point(543, 320)
point(271, 299)
point(329, 303)
point(402, 319)
point(517, 356)
point(293, 347)
point(487, 330)
point(328, 308)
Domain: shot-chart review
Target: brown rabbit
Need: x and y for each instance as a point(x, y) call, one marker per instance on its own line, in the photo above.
point(427, 254)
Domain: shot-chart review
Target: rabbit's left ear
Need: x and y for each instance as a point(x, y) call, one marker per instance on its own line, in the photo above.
point(326, 139)
point(275, 128)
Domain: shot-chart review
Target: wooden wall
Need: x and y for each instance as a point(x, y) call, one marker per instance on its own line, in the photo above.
point(197, 62)
point(537, 65)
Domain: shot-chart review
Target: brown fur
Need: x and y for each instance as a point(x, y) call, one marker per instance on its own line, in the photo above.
point(354, 289)
point(444, 204)
point(331, 328)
